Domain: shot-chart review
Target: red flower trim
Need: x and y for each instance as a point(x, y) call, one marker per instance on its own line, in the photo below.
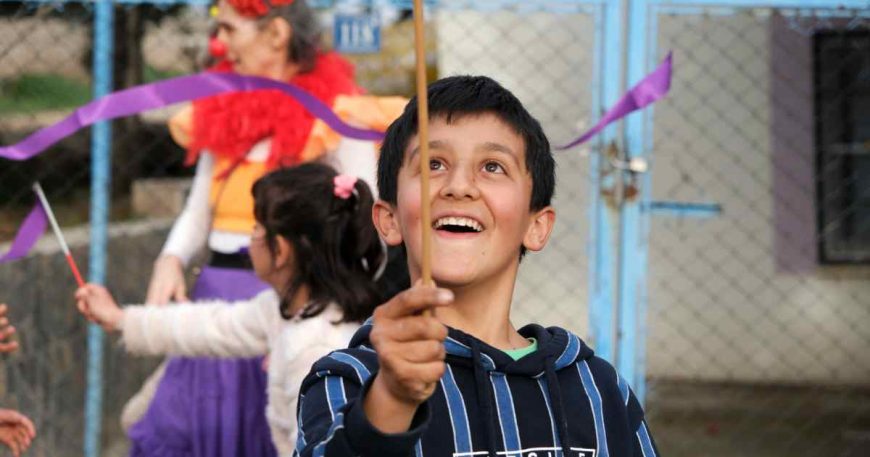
point(255, 8)
point(230, 125)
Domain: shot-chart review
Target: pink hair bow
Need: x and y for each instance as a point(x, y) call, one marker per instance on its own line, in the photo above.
point(344, 186)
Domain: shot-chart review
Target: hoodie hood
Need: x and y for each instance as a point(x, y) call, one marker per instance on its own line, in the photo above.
point(557, 349)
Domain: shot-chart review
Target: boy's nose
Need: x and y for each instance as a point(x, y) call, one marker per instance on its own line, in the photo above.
point(460, 184)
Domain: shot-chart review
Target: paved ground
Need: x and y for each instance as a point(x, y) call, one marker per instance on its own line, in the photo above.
point(691, 420)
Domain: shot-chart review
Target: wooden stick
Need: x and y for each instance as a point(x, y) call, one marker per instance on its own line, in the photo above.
point(423, 136)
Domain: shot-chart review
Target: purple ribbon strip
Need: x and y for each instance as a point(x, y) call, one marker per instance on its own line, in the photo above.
point(651, 88)
point(156, 95)
point(28, 234)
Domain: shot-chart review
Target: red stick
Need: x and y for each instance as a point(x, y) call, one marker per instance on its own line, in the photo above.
point(75, 269)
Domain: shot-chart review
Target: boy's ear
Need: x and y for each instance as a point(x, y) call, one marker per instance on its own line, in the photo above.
point(540, 228)
point(386, 222)
point(278, 33)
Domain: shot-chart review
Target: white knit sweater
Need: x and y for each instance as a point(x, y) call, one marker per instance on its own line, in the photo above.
point(246, 329)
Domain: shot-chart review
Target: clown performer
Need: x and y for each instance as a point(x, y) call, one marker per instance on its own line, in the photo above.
point(209, 407)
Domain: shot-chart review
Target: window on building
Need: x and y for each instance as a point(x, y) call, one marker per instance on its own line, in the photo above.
point(842, 122)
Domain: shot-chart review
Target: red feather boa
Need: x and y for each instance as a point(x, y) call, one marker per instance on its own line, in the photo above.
point(255, 8)
point(230, 125)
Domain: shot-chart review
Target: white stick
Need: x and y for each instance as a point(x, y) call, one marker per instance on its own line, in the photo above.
point(41, 195)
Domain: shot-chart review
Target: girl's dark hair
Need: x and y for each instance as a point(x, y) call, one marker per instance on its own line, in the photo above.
point(337, 251)
point(305, 42)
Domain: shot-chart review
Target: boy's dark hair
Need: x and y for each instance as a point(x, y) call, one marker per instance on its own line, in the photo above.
point(457, 96)
point(336, 249)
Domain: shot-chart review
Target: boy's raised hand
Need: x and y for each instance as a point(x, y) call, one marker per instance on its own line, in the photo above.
point(410, 347)
point(6, 331)
point(98, 306)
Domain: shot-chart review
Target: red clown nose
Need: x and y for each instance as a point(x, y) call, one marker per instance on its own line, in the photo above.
point(216, 47)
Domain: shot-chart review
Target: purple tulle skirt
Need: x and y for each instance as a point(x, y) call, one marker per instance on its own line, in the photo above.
point(206, 407)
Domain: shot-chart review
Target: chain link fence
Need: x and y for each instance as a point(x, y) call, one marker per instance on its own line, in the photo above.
point(756, 341)
point(759, 316)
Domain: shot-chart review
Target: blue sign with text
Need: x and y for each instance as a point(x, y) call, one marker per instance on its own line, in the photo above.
point(357, 34)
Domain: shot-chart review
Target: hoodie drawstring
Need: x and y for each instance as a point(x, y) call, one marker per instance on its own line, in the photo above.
point(555, 392)
point(484, 399)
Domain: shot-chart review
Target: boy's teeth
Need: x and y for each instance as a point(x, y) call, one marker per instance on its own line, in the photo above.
point(458, 222)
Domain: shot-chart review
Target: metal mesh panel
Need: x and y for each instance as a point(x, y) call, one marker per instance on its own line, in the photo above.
point(756, 346)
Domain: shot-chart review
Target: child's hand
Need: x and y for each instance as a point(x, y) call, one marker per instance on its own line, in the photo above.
point(16, 431)
point(98, 306)
point(410, 347)
point(167, 281)
point(6, 331)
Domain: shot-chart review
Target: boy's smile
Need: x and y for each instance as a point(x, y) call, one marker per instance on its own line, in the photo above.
point(480, 192)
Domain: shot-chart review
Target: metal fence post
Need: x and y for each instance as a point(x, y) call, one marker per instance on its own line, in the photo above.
point(101, 147)
point(634, 222)
point(609, 43)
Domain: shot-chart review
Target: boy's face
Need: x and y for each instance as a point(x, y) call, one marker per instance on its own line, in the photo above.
point(480, 191)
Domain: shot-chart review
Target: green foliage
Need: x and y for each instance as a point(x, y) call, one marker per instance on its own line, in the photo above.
point(153, 74)
point(39, 92)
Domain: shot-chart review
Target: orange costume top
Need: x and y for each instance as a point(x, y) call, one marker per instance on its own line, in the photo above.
point(238, 137)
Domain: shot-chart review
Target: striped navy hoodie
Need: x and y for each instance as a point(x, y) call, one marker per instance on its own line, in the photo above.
point(558, 401)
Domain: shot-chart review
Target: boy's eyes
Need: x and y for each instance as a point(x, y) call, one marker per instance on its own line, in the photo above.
point(493, 167)
point(489, 167)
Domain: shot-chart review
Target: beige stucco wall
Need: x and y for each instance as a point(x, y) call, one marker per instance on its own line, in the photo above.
point(741, 297)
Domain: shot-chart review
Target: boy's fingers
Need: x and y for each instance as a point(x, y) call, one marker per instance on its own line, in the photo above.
point(423, 351)
point(8, 347)
point(416, 299)
point(411, 375)
point(425, 373)
point(416, 328)
point(406, 329)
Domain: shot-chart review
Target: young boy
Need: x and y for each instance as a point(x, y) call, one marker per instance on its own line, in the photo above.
point(464, 382)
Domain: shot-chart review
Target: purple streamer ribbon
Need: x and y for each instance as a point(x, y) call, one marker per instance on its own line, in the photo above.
point(28, 234)
point(651, 88)
point(156, 95)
